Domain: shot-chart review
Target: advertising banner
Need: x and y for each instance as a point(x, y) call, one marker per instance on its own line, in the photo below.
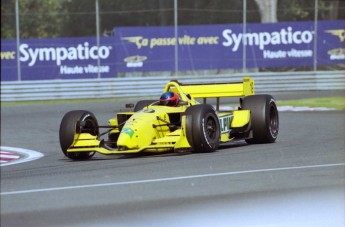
point(331, 43)
point(9, 69)
point(208, 47)
point(201, 47)
point(57, 58)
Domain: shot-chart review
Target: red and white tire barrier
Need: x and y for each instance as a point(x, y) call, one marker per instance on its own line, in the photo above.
point(14, 155)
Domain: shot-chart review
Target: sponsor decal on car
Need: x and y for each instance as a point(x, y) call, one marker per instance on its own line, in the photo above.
point(128, 131)
point(225, 122)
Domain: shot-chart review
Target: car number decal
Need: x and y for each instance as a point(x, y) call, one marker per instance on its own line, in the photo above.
point(225, 122)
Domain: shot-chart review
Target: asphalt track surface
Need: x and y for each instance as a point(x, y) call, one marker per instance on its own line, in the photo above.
point(297, 181)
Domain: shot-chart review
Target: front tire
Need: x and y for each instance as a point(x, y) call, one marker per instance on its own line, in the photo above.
point(264, 118)
point(68, 128)
point(202, 128)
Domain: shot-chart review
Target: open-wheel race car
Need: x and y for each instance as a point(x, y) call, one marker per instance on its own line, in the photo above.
point(188, 124)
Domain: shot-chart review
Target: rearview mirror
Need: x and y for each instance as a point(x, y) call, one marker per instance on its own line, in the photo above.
point(129, 105)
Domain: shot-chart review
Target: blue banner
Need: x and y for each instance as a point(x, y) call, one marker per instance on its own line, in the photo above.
point(208, 47)
point(202, 47)
point(58, 58)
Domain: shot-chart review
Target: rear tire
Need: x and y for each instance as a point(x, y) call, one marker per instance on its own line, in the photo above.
point(264, 118)
point(68, 128)
point(202, 128)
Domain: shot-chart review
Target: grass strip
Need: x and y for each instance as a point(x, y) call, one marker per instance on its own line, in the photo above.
point(64, 101)
point(329, 102)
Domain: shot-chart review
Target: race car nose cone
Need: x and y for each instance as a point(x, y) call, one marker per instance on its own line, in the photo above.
point(138, 131)
point(127, 138)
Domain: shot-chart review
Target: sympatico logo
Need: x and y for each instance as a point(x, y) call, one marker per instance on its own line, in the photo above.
point(58, 54)
point(285, 36)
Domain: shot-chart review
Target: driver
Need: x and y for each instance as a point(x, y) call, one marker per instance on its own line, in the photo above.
point(169, 99)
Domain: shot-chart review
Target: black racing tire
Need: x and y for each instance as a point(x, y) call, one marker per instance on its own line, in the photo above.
point(264, 118)
point(143, 103)
point(202, 128)
point(68, 128)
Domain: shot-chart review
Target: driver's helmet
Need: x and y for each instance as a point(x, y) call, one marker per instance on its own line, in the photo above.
point(169, 99)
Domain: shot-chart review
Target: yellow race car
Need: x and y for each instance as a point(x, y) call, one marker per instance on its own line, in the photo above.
point(180, 120)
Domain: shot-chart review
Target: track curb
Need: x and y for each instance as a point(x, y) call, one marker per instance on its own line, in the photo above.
point(23, 155)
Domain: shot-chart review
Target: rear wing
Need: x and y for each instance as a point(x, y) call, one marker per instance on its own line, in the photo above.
point(214, 90)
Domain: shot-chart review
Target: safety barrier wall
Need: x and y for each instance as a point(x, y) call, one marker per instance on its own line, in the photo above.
point(153, 86)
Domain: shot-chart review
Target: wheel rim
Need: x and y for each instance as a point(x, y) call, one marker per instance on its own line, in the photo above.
point(90, 127)
point(274, 122)
point(211, 128)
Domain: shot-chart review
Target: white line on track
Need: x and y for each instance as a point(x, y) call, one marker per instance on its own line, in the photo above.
point(29, 155)
point(169, 179)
